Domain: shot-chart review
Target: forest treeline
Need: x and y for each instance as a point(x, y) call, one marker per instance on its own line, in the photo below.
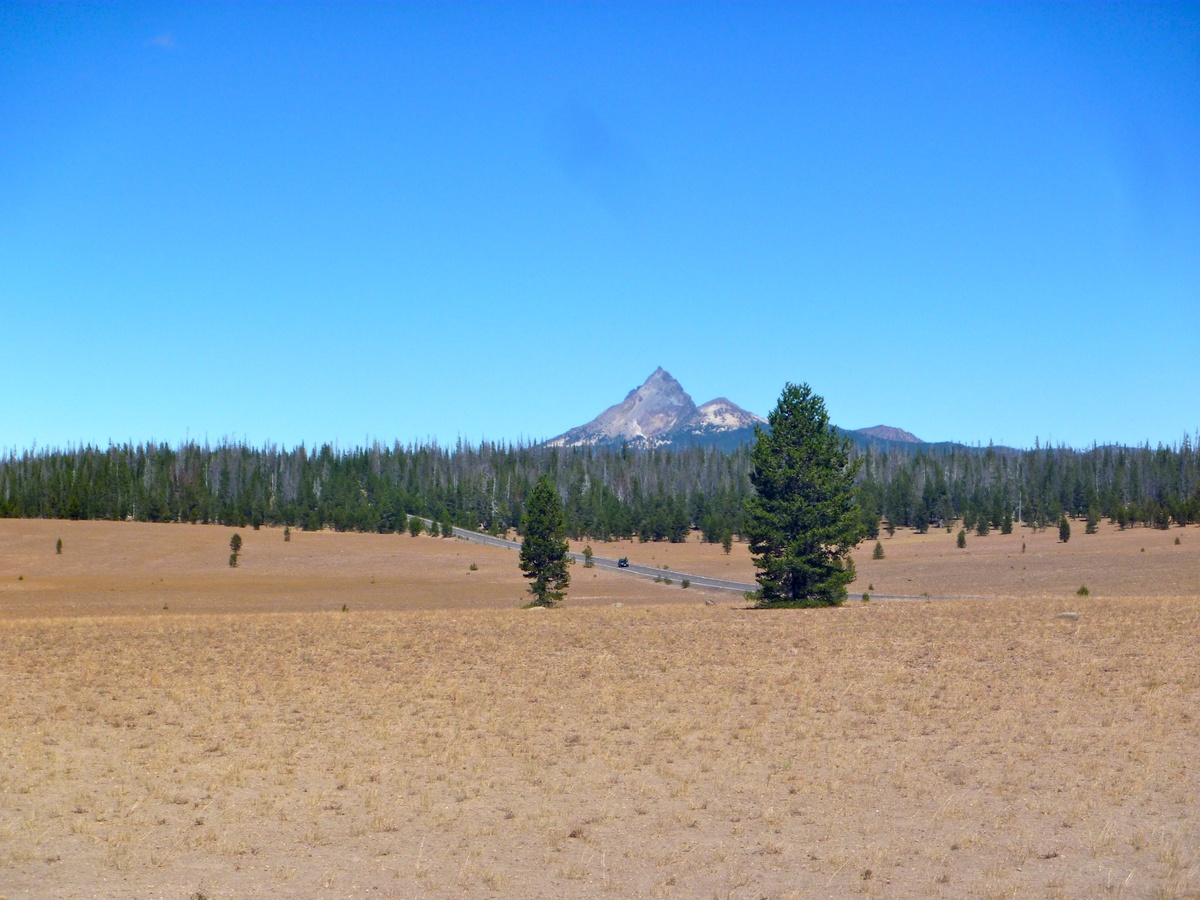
point(657, 494)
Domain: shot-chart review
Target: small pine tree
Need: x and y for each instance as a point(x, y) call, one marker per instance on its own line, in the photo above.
point(414, 526)
point(962, 538)
point(587, 557)
point(727, 542)
point(1064, 529)
point(447, 529)
point(235, 544)
point(982, 527)
point(433, 528)
point(1006, 524)
point(287, 533)
point(1093, 520)
point(58, 547)
point(233, 560)
point(871, 522)
point(1160, 517)
point(878, 552)
point(543, 556)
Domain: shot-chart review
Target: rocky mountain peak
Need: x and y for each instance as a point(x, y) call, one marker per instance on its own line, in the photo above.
point(659, 412)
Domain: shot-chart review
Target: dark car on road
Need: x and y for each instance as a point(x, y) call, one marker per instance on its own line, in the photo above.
point(623, 562)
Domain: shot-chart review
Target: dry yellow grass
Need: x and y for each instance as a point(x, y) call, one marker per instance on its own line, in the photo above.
point(946, 749)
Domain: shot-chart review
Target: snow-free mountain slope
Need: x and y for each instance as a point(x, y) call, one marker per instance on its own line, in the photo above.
point(888, 433)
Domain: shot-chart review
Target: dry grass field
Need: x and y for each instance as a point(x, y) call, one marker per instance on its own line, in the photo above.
point(171, 727)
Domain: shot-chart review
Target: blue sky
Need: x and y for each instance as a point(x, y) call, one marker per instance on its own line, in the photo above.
point(351, 222)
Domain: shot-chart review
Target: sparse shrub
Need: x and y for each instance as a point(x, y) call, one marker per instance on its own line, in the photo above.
point(473, 567)
point(658, 579)
point(233, 560)
point(1176, 540)
point(1083, 590)
point(287, 533)
point(668, 581)
point(587, 557)
point(870, 587)
point(58, 546)
point(878, 552)
point(686, 583)
point(962, 538)
point(345, 608)
point(866, 598)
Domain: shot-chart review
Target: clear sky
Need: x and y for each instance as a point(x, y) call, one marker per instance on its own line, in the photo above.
point(350, 222)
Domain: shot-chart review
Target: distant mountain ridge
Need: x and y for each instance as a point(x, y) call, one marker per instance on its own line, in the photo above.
point(888, 433)
point(660, 413)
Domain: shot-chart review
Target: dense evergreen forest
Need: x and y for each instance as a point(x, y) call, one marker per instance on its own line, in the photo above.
point(652, 494)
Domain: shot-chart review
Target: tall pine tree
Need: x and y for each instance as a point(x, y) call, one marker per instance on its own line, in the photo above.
point(803, 520)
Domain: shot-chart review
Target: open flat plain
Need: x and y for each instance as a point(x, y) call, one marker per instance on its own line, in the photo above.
point(367, 715)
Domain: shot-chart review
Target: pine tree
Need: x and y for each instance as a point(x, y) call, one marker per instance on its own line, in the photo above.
point(544, 548)
point(804, 519)
point(1064, 529)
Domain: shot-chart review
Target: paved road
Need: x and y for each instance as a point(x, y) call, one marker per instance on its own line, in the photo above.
point(602, 562)
point(704, 581)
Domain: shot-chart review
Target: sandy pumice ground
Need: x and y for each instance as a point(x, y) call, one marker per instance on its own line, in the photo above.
point(171, 727)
